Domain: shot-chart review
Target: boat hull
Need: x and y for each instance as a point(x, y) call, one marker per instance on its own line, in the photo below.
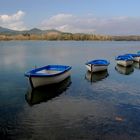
point(137, 59)
point(42, 81)
point(125, 63)
point(96, 68)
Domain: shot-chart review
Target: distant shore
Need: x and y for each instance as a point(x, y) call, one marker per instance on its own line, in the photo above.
point(68, 36)
point(52, 34)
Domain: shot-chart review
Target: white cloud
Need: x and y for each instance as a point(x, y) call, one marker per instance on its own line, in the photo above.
point(92, 24)
point(14, 21)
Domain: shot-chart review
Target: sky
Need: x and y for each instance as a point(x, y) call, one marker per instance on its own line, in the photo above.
point(115, 17)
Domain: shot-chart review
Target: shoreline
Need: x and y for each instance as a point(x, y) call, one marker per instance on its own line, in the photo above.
point(67, 37)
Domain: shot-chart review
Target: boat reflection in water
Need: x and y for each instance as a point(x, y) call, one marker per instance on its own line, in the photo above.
point(45, 93)
point(124, 70)
point(97, 76)
point(136, 65)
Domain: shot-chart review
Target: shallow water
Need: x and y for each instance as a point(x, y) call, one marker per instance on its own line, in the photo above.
point(100, 106)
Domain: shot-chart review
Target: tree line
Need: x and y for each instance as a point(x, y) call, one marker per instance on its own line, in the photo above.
point(68, 36)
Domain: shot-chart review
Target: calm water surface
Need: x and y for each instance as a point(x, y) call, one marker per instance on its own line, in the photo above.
point(103, 106)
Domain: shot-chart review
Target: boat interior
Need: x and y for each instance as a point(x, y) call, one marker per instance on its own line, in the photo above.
point(49, 71)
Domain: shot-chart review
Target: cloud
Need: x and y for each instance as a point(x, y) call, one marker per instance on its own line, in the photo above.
point(92, 24)
point(14, 21)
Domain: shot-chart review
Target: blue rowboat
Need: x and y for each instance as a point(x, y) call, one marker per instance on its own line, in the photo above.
point(46, 75)
point(136, 57)
point(97, 65)
point(124, 60)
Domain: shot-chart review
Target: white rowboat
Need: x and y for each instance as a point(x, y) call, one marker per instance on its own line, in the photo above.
point(124, 60)
point(46, 75)
point(97, 65)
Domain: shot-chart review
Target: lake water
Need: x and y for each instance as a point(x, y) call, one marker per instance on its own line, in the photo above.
point(103, 106)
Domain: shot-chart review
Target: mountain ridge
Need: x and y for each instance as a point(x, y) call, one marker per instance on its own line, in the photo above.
point(6, 31)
